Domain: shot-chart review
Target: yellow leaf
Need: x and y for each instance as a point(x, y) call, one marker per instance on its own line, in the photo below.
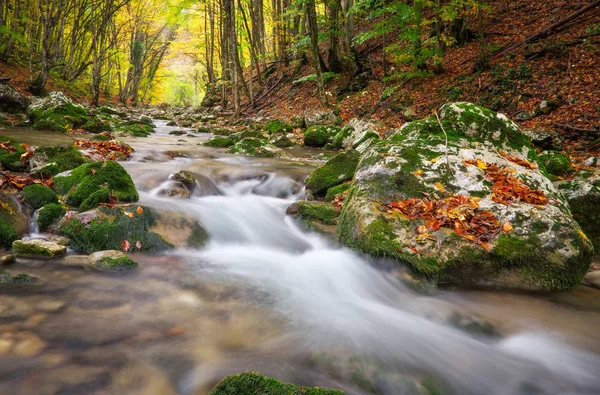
point(481, 164)
point(130, 215)
point(439, 186)
point(507, 227)
point(418, 172)
point(434, 160)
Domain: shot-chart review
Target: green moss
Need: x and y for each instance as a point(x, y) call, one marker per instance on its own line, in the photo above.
point(19, 279)
point(88, 179)
point(338, 139)
point(337, 170)
point(198, 237)
point(50, 214)
point(177, 132)
point(256, 383)
point(108, 231)
point(333, 191)
point(318, 136)
point(251, 147)
point(278, 126)
point(7, 234)
point(585, 211)
point(220, 142)
point(92, 201)
point(222, 132)
point(118, 264)
point(324, 213)
point(37, 195)
point(11, 160)
point(64, 157)
point(248, 134)
point(367, 136)
point(95, 125)
point(60, 118)
point(556, 164)
point(100, 137)
point(135, 128)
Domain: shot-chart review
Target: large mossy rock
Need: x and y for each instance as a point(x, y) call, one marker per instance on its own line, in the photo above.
point(57, 113)
point(50, 161)
point(539, 246)
point(319, 136)
point(337, 170)
point(111, 261)
point(256, 147)
point(38, 249)
point(144, 229)
point(137, 128)
point(256, 383)
point(556, 163)
point(354, 134)
point(583, 194)
point(277, 126)
point(12, 101)
point(91, 184)
point(319, 216)
point(49, 215)
point(13, 222)
point(37, 195)
point(10, 154)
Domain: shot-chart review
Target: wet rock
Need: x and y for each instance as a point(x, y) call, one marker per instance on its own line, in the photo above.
point(177, 132)
point(91, 184)
point(28, 344)
point(253, 383)
point(258, 148)
point(320, 118)
point(277, 126)
point(474, 325)
point(134, 129)
point(7, 259)
point(354, 134)
point(177, 190)
point(337, 170)
point(17, 280)
point(593, 279)
point(582, 192)
point(60, 240)
point(220, 142)
point(37, 249)
point(543, 248)
point(12, 101)
point(318, 216)
point(282, 142)
point(185, 178)
point(50, 306)
point(49, 215)
point(111, 261)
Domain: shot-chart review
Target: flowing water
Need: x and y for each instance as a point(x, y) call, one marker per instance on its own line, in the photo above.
point(266, 295)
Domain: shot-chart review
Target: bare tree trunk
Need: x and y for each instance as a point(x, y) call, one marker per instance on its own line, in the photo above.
point(311, 16)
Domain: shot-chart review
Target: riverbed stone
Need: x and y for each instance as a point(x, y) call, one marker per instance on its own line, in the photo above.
point(319, 216)
point(37, 249)
point(177, 190)
point(256, 147)
point(37, 195)
point(255, 383)
point(7, 259)
point(184, 177)
point(50, 161)
point(49, 215)
point(543, 247)
point(94, 183)
point(319, 136)
point(111, 261)
point(355, 133)
point(337, 170)
point(13, 222)
point(12, 101)
point(10, 154)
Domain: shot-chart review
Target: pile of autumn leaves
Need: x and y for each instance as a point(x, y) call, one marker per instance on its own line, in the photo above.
point(462, 213)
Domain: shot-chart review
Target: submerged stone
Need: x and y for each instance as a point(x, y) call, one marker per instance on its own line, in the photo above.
point(111, 261)
point(318, 216)
point(256, 383)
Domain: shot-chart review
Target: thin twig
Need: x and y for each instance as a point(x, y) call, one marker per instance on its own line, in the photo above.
point(445, 135)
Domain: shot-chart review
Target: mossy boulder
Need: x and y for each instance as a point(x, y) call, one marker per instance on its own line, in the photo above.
point(220, 142)
point(337, 170)
point(37, 195)
point(319, 136)
point(282, 141)
point(145, 229)
point(336, 190)
point(49, 215)
point(96, 125)
point(219, 132)
point(556, 163)
point(256, 383)
point(134, 129)
point(256, 147)
point(583, 194)
point(37, 249)
point(57, 113)
point(13, 222)
point(111, 261)
point(355, 133)
point(50, 161)
point(277, 126)
point(248, 134)
point(93, 183)
point(543, 248)
point(10, 154)
point(318, 216)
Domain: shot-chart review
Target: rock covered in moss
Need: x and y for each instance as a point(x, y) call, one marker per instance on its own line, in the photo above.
point(542, 247)
point(248, 134)
point(134, 128)
point(13, 222)
point(91, 184)
point(111, 261)
point(583, 194)
point(35, 248)
point(57, 113)
point(354, 134)
point(319, 216)
point(38, 195)
point(10, 154)
point(49, 215)
point(319, 136)
point(96, 125)
point(256, 147)
point(315, 118)
point(17, 280)
point(12, 101)
point(256, 383)
point(337, 170)
point(50, 161)
point(220, 142)
point(282, 141)
point(556, 163)
point(186, 178)
point(277, 126)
